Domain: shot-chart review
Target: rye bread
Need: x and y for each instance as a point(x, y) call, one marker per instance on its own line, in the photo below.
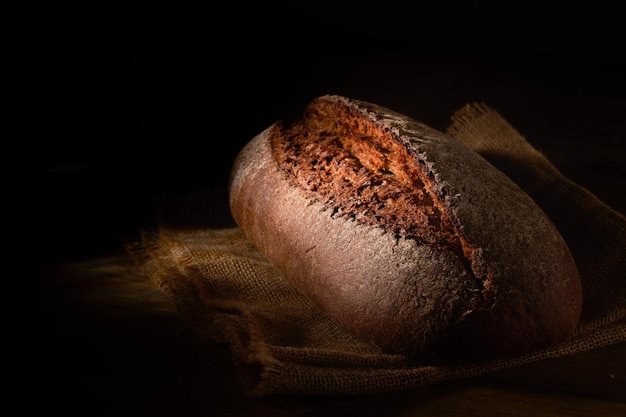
point(404, 236)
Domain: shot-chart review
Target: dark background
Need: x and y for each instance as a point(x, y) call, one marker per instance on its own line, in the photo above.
point(146, 100)
point(141, 100)
point(128, 104)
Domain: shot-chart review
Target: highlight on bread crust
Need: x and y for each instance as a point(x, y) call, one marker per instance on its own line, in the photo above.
point(404, 236)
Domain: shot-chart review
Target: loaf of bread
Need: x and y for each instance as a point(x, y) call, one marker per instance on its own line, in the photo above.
point(404, 236)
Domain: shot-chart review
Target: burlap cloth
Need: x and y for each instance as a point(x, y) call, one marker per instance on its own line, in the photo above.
point(282, 344)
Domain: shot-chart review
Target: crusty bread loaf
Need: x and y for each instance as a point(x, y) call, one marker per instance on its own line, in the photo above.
point(403, 235)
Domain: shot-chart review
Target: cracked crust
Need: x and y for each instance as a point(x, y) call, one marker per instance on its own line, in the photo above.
point(403, 235)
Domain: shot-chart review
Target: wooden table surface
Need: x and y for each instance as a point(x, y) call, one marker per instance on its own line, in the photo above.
point(160, 104)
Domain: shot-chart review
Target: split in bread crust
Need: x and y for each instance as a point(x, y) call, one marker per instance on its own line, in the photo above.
point(360, 172)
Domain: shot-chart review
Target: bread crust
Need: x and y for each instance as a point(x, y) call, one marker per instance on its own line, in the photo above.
point(517, 290)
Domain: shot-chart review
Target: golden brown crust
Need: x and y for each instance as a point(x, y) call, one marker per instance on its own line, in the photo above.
point(504, 283)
